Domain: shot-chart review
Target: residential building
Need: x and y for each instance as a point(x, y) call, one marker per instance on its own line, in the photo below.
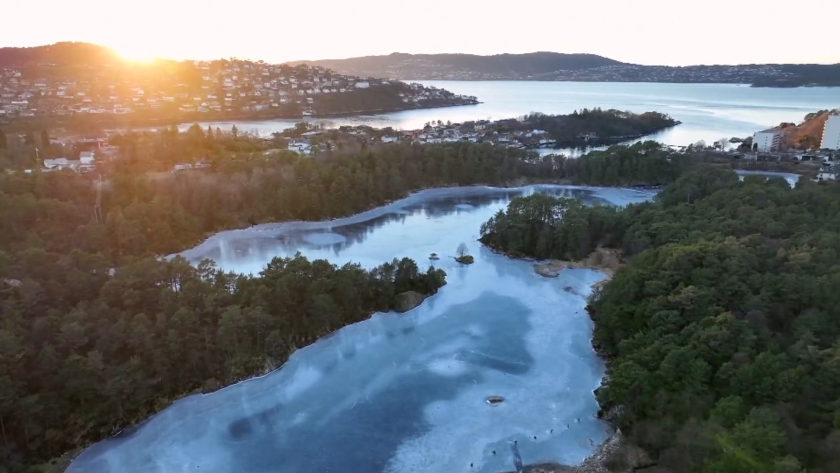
point(86, 158)
point(767, 140)
point(831, 133)
point(827, 175)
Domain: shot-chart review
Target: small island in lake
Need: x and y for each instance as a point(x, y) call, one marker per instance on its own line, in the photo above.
point(463, 255)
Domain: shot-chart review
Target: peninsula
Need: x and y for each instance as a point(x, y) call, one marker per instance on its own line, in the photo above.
point(581, 128)
point(549, 66)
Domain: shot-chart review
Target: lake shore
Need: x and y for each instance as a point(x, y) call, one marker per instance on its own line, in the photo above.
point(616, 454)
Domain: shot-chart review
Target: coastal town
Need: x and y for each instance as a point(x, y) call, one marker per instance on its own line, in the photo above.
point(534, 132)
point(202, 89)
point(583, 128)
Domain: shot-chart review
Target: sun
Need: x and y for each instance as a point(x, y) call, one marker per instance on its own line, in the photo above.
point(139, 52)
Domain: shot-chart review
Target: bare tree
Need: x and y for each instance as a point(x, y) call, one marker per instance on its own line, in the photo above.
point(462, 250)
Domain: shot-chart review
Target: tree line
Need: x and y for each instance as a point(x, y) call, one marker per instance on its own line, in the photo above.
point(721, 330)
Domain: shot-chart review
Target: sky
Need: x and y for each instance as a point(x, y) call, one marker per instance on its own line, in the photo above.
point(665, 32)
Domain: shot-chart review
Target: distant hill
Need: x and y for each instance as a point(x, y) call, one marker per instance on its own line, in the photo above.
point(59, 53)
point(548, 66)
point(421, 66)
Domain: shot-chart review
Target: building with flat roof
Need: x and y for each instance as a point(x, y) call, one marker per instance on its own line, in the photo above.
point(767, 140)
point(831, 133)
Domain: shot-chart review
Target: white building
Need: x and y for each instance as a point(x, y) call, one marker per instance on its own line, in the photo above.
point(362, 85)
point(827, 175)
point(831, 133)
point(767, 140)
point(86, 158)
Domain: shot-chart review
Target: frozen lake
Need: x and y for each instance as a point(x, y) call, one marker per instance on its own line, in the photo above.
point(399, 393)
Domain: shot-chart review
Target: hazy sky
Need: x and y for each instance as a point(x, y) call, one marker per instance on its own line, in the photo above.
point(641, 31)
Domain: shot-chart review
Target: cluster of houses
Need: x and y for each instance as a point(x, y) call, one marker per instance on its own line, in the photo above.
point(84, 163)
point(482, 131)
point(198, 87)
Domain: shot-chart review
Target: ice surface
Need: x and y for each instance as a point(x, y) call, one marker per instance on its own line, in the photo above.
point(788, 176)
point(399, 393)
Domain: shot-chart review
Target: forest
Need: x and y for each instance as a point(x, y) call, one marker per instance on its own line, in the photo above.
point(594, 126)
point(98, 332)
point(79, 281)
point(721, 329)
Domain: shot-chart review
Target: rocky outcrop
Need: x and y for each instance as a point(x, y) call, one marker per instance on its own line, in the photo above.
point(615, 455)
point(606, 260)
point(548, 270)
point(12, 282)
point(406, 301)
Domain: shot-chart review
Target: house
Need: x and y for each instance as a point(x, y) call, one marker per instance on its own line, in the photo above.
point(86, 158)
point(827, 175)
point(389, 139)
point(362, 85)
point(831, 133)
point(767, 140)
point(181, 167)
point(57, 163)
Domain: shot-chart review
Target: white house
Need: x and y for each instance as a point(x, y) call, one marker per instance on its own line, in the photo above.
point(767, 140)
point(57, 163)
point(86, 158)
point(362, 85)
point(389, 139)
point(827, 175)
point(831, 133)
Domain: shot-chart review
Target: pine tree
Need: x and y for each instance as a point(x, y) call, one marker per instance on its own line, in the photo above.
point(4, 144)
point(45, 139)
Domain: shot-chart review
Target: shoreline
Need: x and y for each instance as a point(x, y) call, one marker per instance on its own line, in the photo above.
point(128, 123)
point(417, 196)
point(615, 454)
point(742, 84)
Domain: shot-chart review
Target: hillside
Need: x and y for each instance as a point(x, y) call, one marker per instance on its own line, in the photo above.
point(439, 66)
point(550, 66)
point(59, 53)
point(80, 82)
point(808, 134)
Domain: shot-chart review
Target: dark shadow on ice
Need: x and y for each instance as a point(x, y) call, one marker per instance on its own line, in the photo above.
point(366, 436)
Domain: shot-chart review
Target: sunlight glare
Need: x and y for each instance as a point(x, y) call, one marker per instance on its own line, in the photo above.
point(139, 52)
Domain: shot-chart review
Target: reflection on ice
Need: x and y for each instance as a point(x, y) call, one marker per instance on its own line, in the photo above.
point(399, 393)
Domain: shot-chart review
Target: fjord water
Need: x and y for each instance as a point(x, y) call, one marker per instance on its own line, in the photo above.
point(399, 392)
point(707, 111)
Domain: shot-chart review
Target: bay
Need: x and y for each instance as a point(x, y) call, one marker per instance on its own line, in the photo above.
point(708, 112)
point(399, 393)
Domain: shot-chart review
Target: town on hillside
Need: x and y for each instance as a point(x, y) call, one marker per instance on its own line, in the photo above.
point(183, 91)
